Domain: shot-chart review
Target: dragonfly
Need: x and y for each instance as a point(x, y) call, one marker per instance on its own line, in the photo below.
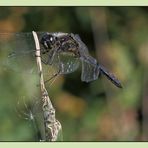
point(58, 44)
point(64, 51)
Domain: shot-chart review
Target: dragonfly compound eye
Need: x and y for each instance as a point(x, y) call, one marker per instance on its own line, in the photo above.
point(48, 41)
point(51, 39)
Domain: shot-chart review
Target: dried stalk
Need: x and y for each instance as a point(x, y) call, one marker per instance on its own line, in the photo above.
point(52, 125)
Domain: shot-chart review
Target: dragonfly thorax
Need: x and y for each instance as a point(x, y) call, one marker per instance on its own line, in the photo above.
point(61, 42)
point(70, 46)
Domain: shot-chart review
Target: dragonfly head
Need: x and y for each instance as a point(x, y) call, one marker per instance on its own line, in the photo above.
point(48, 40)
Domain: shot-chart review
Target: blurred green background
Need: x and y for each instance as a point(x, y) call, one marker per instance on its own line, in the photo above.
point(98, 111)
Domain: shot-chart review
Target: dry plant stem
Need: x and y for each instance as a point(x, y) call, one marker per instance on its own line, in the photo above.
point(52, 126)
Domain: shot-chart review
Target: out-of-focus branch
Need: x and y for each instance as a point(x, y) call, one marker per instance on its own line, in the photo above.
point(52, 126)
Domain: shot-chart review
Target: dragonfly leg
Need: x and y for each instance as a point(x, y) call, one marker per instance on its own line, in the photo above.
point(50, 58)
point(44, 61)
point(53, 76)
point(50, 61)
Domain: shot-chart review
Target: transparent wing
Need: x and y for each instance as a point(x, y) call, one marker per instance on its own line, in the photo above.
point(68, 63)
point(90, 71)
point(14, 48)
point(17, 51)
point(64, 62)
point(83, 50)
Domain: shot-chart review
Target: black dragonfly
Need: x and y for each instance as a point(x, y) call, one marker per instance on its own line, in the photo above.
point(58, 44)
point(64, 51)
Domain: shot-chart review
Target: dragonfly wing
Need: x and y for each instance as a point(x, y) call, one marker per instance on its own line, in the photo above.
point(17, 43)
point(14, 48)
point(90, 71)
point(68, 63)
point(60, 63)
point(18, 51)
point(83, 50)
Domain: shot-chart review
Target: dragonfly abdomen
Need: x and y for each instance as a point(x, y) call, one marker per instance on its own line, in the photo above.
point(110, 76)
